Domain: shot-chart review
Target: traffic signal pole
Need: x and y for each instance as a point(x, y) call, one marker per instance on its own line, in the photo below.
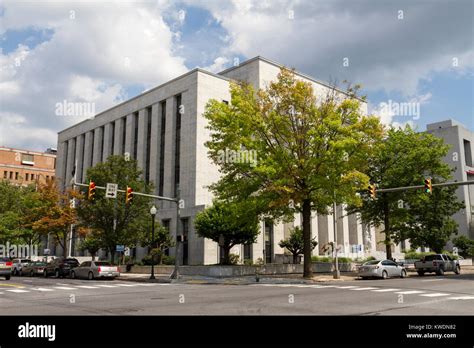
point(404, 188)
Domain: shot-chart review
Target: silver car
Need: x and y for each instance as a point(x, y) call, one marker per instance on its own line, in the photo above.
point(95, 269)
point(381, 269)
point(18, 265)
point(5, 267)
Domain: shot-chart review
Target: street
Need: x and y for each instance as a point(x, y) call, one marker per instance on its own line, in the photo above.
point(429, 295)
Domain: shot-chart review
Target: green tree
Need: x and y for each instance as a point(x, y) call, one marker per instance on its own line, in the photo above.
point(465, 245)
point(428, 221)
point(404, 158)
point(113, 220)
point(229, 224)
point(92, 244)
point(294, 243)
point(163, 240)
point(307, 151)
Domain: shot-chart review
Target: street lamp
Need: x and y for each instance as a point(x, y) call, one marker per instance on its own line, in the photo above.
point(152, 213)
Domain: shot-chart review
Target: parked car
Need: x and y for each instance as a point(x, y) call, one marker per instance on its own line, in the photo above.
point(6, 267)
point(381, 269)
point(18, 265)
point(437, 263)
point(33, 268)
point(60, 267)
point(95, 269)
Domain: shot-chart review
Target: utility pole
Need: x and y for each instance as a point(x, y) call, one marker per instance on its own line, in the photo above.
point(175, 274)
point(336, 274)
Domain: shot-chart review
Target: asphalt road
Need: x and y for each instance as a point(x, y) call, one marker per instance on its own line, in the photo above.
point(429, 295)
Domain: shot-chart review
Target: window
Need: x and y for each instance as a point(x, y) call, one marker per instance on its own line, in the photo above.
point(268, 241)
point(5, 174)
point(27, 159)
point(185, 229)
point(124, 133)
point(162, 148)
point(135, 135)
point(27, 176)
point(102, 132)
point(467, 153)
point(247, 251)
point(177, 145)
point(11, 175)
point(148, 141)
point(16, 175)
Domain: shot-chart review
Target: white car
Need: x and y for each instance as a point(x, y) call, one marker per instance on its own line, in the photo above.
point(381, 269)
point(18, 265)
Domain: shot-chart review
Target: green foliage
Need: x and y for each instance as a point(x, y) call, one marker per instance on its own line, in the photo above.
point(330, 259)
point(92, 244)
point(294, 243)
point(248, 262)
point(414, 255)
point(236, 222)
point(364, 260)
point(405, 158)
point(465, 246)
point(133, 222)
point(234, 259)
point(308, 149)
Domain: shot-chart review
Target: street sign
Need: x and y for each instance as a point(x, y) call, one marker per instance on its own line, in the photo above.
point(120, 247)
point(111, 190)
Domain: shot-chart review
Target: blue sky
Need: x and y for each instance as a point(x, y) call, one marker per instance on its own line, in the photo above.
point(75, 51)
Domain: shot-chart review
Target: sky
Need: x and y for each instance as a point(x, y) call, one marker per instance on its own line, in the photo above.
point(413, 58)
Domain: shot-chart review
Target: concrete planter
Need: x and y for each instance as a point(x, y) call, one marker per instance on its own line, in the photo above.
point(243, 270)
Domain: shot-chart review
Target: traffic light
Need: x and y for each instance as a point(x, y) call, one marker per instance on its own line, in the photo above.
point(129, 196)
point(428, 187)
point(91, 192)
point(372, 191)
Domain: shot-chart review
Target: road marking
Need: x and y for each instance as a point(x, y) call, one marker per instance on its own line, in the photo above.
point(142, 284)
point(125, 284)
point(63, 288)
point(18, 291)
point(106, 286)
point(13, 285)
point(385, 290)
point(86, 287)
point(432, 280)
point(42, 289)
point(346, 287)
point(462, 298)
point(358, 289)
point(436, 294)
point(410, 292)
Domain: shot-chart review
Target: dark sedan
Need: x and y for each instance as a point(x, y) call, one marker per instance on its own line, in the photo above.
point(60, 267)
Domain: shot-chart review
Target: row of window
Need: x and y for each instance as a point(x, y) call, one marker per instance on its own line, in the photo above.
point(134, 144)
point(28, 176)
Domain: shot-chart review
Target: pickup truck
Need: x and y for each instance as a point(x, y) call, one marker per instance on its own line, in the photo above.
point(438, 263)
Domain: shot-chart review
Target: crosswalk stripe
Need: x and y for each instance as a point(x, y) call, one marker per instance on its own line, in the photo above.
point(86, 287)
point(432, 280)
point(437, 294)
point(146, 284)
point(63, 288)
point(346, 287)
point(462, 298)
point(358, 289)
point(18, 290)
point(410, 292)
point(128, 285)
point(385, 290)
point(106, 286)
point(41, 289)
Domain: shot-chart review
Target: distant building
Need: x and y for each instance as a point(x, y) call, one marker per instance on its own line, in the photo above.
point(24, 167)
point(163, 129)
point(460, 158)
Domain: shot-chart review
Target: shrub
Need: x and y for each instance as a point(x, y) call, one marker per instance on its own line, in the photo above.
point(248, 262)
point(414, 255)
point(234, 259)
point(168, 260)
point(341, 259)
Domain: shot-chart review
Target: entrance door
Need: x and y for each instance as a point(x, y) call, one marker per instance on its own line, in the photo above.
point(268, 242)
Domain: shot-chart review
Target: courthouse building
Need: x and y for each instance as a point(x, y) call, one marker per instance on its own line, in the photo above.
point(169, 147)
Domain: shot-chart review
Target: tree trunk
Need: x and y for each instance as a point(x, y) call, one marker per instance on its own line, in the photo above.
point(386, 222)
point(295, 258)
point(226, 259)
point(112, 254)
point(93, 256)
point(307, 269)
point(65, 245)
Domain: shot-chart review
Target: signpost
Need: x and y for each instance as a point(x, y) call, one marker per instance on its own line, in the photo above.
point(111, 190)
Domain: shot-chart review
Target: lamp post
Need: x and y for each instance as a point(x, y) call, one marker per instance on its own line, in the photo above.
point(152, 213)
